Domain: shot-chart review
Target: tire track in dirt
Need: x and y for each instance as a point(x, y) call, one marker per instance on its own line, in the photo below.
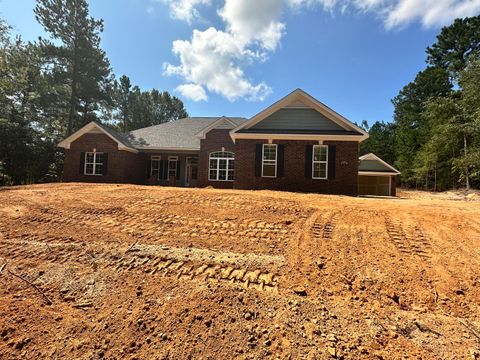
point(324, 229)
point(410, 239)
point(227, 202)
point(257, 272)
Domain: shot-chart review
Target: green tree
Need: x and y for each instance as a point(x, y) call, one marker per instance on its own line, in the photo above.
point(412, 130)
point(77, 61)
point(147, 108)
point(123, 98)
point(455, 44)
point(380, 141)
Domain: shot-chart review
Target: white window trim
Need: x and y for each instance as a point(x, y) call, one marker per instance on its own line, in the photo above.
point(217, 170)
point(94, 163)
point(319, 162)
point(175, 160)
point(270, 162)
point(152, 159)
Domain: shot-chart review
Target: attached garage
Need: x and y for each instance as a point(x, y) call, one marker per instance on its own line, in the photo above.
point(376, 177)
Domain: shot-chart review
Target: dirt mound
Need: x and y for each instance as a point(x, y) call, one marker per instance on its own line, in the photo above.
point(119, 271)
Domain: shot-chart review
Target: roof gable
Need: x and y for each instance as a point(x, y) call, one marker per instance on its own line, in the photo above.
point(300, 113)
point(372, 163)
point(95, 128)
point(221, 123)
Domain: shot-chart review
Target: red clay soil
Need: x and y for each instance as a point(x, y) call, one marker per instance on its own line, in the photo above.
point(119, 271)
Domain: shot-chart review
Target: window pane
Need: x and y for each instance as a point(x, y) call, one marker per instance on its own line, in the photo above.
point(319, 153)
point(89, 169)
point(89, 157)
point(194, 172)
point(222, 154)
point(222, 175)
point(99, 157)
point(99, 169)
point(172, 165)
point(319, 170)
point(213, 175)
point(213, 164)
point(155, 165)
point(269, 152)
point(223, 164)
point(230, 175)
point(231, 165)
point(268, 170)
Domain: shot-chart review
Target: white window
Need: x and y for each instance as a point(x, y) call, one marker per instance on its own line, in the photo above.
point(269, 160)
point(155, 166)
point(221, 166)
point(93, 163)
point(320, 162)
point(172, 166)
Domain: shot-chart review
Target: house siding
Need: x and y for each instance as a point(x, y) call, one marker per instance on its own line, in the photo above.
point(123, 166)
point(373, 165)
point(294, 179)
point(298, 119)
point(215, 140)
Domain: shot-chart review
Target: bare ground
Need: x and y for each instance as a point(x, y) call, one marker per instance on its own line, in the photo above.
point(120, 271)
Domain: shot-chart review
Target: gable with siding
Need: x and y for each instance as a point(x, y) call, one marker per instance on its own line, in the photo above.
point(305, 119)
point(373, 165)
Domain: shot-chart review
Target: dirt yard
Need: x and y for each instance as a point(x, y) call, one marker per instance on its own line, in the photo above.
point(120, 271)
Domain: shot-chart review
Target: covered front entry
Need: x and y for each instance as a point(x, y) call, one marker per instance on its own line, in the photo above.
point(374, 185)
point(172, 168)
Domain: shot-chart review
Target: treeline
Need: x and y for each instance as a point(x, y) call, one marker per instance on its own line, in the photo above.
point(52, 87)
point(434, 139)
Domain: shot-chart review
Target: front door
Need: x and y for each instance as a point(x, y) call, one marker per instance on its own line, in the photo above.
point(191, 171)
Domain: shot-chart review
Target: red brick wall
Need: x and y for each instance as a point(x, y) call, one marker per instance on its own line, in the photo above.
point(214, 141)
point(346, 168)
point(123, 166)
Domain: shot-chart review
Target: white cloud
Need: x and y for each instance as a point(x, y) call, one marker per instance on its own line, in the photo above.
point(185, 10)
point(430, 12)
point(398, 13)
point(214, 59)
point(254, 20)
point(193, 92)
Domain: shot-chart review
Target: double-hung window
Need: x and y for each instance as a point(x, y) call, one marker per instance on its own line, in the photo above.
point(172, 166)
point(320, 162)
point(269, 160)
point(155, 166)
point(221, 166)
point(93, 163)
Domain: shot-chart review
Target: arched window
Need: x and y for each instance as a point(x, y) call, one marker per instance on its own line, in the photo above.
point(221, 166)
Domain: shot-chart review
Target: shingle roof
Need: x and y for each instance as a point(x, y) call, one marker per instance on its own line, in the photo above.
point(178, 134)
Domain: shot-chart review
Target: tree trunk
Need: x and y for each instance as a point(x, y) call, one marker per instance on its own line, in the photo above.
point(467, 180)
point(73, 94)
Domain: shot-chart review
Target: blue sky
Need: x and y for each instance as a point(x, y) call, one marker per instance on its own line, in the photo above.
point(353, 55)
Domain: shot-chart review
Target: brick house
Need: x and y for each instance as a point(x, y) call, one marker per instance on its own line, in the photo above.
point(296, 144)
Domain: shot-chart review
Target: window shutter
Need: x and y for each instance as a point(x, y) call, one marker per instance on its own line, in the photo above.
point(149, 166)
point(280, 159)
point(258, 160)
point(165, 169)
point(332, 150)
point(82, 163)
point(161, 170)
point(105, 164)
point(178, 169)
point(308, 161)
